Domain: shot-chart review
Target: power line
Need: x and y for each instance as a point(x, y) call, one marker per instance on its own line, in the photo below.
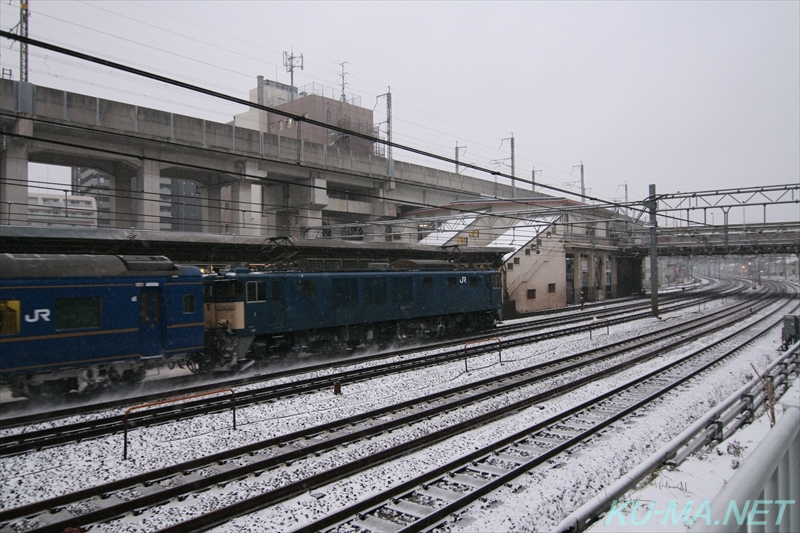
point(299, 118)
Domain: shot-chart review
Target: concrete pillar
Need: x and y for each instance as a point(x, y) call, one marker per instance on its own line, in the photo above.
point(309, 218)
point(591, 259)
point(148, 196)
point(14, 177)
point(273, 200)
point(212, 207)
point(121, 197)
point(381, 207)
point(614, 289)
point(241, 209)
point(580, 277)
point(255, 212)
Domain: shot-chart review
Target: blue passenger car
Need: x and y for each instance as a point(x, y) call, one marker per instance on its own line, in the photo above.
point(77, 322)
point(258, 314)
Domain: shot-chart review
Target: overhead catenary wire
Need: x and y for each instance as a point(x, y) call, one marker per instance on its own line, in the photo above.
point(524, 144)
point(295, 117)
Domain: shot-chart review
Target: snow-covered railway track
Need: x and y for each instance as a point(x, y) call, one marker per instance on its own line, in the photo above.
point(55, 435)
point(428, 500)
point(19, 413)
point(252, 462)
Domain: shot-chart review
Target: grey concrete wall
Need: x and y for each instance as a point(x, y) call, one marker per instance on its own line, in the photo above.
point(153, 123)
point(188, 130)
point(162, 125)
point(49, 103)
point(116, 115)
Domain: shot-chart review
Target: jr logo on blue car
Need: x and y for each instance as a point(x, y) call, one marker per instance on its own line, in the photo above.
point(44, 314)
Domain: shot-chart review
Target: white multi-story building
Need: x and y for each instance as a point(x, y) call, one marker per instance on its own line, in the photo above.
point(62, 210)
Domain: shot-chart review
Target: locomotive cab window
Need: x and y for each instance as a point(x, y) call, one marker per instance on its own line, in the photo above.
point(9, 317)
point(74, 313)
point(228, 289)
point(256, 291)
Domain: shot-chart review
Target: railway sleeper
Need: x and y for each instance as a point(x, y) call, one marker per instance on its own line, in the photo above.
point(441, 494)
point(494, 470)
point(535, 449)
point(410, 508)
point(374, 523)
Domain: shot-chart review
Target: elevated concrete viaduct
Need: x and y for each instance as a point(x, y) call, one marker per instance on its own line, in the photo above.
point(275, 185)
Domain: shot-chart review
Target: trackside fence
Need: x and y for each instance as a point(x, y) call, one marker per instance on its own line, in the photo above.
point(771, 472)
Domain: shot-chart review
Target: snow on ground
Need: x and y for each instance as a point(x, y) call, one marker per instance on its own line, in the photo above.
point(699, 479)
point(536, 502)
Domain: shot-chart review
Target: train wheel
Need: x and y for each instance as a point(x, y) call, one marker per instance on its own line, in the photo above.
point(133, 376)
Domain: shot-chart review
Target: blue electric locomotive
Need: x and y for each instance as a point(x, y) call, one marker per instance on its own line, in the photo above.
point(72, 322)
point(258, 314)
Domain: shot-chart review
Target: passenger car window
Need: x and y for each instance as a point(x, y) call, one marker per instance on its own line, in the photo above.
point(73, 313)
point(9, 317)
point(188, 304)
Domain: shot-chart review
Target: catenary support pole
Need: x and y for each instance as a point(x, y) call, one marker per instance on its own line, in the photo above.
point(652, 205)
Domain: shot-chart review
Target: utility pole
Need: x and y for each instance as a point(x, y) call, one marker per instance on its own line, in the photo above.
point(389, 160)
point(652, 205)
point(583, 183)
point(513, 169)
point(513, 165)
point(458, 151)
point(389, 122)
point(23, 47)
point(533, 178)
point(291, 61)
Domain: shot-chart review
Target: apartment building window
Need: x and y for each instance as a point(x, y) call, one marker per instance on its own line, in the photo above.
point(551, 287)
point(462, 241)
point(474, 233)
point(531, 294)
point(516, 260)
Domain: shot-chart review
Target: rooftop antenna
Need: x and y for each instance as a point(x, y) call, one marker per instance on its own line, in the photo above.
point(343, 98)
point(290, 61)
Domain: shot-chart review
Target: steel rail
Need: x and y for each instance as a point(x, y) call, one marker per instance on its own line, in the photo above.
point(37, 439)
point(237, 473)
point(53, 412)
point(520, 445)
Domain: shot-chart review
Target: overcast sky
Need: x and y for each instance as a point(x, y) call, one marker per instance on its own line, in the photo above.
point(690, 96)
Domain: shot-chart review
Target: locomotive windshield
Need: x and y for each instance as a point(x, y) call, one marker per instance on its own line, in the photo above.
point(228, 289)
